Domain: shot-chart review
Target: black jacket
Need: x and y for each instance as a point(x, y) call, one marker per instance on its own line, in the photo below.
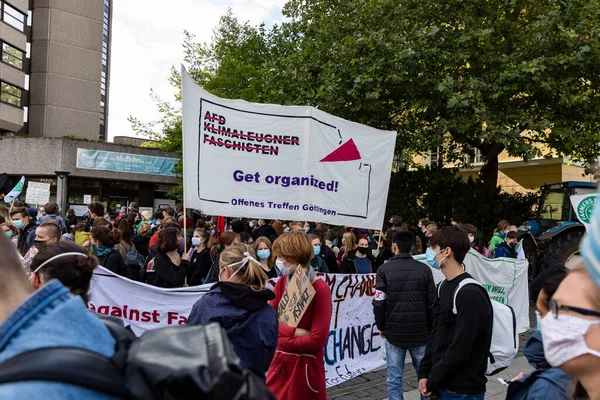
point(456, 355)
point(349, 267)
point(404, 301)
point(329, 257)
point(24, 244)
point(113, 261)
point(167, 274)
point(200, 264)
point(71, 221)
point(384, 255)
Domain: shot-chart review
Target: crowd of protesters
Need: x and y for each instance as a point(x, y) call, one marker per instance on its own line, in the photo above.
point(447, 332)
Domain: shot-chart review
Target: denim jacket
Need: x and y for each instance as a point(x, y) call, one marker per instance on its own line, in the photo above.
point(52, 317)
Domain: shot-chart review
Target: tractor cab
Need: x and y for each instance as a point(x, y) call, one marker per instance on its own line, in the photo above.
point(555, 209)
point(554, 237)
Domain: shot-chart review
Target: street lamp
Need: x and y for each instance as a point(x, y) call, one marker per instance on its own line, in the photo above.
point(61, 190)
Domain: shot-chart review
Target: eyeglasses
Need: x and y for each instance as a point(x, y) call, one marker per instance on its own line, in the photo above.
point(555, 307)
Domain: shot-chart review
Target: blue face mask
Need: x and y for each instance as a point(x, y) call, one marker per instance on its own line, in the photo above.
point(9, 234)
point(282, 269)
point(18, 224)
point(503, 235)
point(263, 254)
point(538, 320)
point(317, 250)
point(430, 255)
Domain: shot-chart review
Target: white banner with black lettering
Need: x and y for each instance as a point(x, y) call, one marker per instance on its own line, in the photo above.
point(244, 159)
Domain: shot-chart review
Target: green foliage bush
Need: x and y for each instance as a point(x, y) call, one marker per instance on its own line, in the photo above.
point(444, 197)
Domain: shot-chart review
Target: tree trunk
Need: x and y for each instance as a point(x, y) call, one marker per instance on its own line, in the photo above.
point(489, 170)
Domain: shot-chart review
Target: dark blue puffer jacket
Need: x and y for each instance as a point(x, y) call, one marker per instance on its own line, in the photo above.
point(250, 322)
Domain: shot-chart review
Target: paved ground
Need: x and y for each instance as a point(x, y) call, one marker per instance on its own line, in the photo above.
point(372, 386)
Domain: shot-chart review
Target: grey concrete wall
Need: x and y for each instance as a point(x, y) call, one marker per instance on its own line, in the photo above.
point(66, 67)
point(43, 156)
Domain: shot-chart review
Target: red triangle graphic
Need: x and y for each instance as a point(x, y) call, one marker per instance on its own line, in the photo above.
point(346, 152)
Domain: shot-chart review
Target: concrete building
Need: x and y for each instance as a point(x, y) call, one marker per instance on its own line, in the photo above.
point(54, 85)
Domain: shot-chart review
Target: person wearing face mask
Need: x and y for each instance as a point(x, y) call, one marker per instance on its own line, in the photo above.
point(571, 330)
point(499, 235)
point(317, 261)
point(545, 382)
point(360, 260)
point(508, 248)
point(470, 231)
point(239, 303)
point(200, 259)
point(226, 240)
point(298, 368)
point(103, 242)
point(22, 221)
point(262, 247)
point(47, 233)
point(11, 232)
point(456, 355)
point(403, 308)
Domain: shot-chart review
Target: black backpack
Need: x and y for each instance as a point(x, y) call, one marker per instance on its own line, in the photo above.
point(175, 362)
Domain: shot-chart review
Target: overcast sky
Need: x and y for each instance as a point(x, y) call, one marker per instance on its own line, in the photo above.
point(146, 41)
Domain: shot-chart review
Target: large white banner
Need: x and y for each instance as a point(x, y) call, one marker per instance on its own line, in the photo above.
point(354, 346)
point(584, 205)
point(245, 159)
point(505, 279)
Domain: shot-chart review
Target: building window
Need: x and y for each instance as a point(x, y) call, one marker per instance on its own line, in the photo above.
point(13, 17)
point(12, 56)
point(10, 94)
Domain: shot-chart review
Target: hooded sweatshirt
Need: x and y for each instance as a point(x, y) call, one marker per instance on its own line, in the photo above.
point(245, 314)
point(545, 383)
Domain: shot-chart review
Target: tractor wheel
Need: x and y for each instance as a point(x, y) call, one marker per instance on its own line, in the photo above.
point(564, 250)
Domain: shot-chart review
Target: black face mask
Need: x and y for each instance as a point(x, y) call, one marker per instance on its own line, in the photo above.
point(39, 244)
point(362, 250)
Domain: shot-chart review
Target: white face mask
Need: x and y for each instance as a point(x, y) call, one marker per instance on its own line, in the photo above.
point(471, 239)
point(196, 241)
point(283, 270)
point(563, 338)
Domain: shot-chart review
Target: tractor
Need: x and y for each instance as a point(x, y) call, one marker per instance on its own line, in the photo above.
point(554, 237)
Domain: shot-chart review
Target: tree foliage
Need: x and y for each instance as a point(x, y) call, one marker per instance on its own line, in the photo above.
point(515, 75)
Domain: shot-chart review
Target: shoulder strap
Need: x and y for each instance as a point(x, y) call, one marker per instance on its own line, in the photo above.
point(467, 281)
point(66, 365)
point(439, 288)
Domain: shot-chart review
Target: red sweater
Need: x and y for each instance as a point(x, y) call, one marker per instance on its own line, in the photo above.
point(298, 368)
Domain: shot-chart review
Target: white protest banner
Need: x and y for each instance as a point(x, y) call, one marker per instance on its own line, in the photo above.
point(584, 205)
point(37, 193)
point(505, 279)
point(244, 159)
point(353, 347)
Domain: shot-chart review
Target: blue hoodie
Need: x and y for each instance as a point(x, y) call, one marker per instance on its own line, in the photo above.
point(52, 317)
point(250, 322)
point(545, 383)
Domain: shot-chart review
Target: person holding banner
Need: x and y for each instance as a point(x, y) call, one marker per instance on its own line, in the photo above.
point(239, 303)
point(298, 369)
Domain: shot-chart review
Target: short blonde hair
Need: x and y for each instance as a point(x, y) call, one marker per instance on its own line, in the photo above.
point(294, 247)
point(251, 273)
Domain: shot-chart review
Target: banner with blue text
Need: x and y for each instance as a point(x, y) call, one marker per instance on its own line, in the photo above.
point(245, 159)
